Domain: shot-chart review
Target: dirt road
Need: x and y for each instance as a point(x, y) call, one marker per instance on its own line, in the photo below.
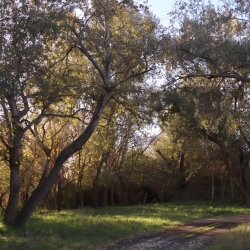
point(196, 235)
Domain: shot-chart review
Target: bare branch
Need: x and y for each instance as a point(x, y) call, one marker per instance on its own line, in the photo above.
point(83, 49)
point(26, 107)
point(222, 75)
point(4, 142)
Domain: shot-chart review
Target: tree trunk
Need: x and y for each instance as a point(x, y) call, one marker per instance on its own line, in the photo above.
point(54, 196)
point(112, 197)
point(12, 207)
point(232, 187)
point(25, 193)
point(59, 194)
point(16, 134)
point(245, 174)
point(105, 197)
point(79, 193)
point(245, 196)
point(1, 201)
point(168, 163)
point(243, 193)
point(80, 185)
point(181, 162)
point(39, 193)
point(45, 170)
point(67, 195)
point(213, 187)
point(223, 183)
point(123, 188)
point(105, 156)
point(212, 173)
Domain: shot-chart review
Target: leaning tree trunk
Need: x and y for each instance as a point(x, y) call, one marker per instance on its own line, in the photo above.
point(39, 193)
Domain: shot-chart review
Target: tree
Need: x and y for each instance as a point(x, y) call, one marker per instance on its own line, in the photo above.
point(210, 60)
point(27, 31)
point(116, 55)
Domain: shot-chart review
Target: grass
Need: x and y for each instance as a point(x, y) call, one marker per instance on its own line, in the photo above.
point(237, 239)
point(93, 228)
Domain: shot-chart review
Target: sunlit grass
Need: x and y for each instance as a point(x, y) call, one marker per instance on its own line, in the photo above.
point(237, 239)
point(90, 228)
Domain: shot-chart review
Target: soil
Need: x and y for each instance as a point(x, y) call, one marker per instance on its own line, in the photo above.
point(196, 235)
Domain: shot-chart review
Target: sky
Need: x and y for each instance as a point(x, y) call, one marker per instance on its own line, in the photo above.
point(161, 7)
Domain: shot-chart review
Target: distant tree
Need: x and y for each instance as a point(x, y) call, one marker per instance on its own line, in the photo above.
point(210, 85)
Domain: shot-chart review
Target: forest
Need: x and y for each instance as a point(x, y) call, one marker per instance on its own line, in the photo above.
point(101, 105)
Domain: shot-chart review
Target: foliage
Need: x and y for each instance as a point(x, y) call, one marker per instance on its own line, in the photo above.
point(205, 96)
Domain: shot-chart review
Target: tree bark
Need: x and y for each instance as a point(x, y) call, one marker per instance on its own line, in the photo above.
point(212, 173)
point(181, 162)
point(59, 194)
point(16, 133)
point(104, 158)
point(14, 163)
point(245, 174)
point(240, 186)
point(112, 197)
point(168, 163)
point(11, 209)
point(39, 193)
point(123, 190)
point(105, 197)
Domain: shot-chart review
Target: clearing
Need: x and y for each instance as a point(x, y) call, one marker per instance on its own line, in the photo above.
point(196, 235)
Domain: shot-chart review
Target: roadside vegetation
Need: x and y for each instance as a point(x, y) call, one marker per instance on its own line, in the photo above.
point(96, 228)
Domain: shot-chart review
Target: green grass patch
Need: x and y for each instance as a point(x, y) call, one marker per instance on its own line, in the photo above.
point(90, 228)
point(202, 230)
point(237, 239)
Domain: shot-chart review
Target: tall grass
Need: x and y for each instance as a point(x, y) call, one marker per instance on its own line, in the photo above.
point(94, 228)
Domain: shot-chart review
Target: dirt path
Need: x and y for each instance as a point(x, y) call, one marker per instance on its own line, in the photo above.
point(196, 235)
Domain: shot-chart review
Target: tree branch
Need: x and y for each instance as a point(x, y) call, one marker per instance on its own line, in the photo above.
point(83, 49)
point(222, 75)
point(4, 142)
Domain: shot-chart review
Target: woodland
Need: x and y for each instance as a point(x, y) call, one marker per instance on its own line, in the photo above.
point(102, 105)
